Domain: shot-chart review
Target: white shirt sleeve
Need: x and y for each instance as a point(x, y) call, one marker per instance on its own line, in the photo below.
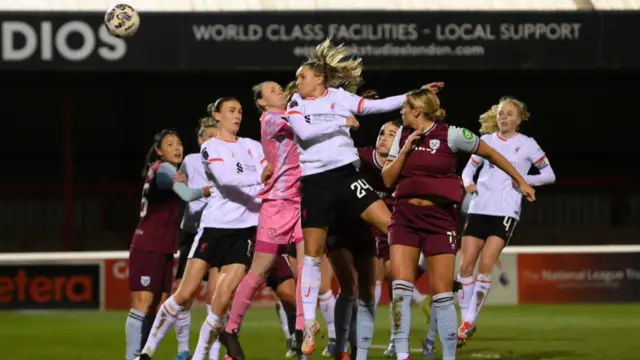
point(222, 166)
point(472, 166)
point(304, 130)
point(395, 147)
point(536, 155)
point(470, 170)
point(539, 159)
point(461, 139)
point(361, 106)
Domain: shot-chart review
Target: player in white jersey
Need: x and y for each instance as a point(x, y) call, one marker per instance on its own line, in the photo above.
point(194, 171)
point(330, 179)
point(236, 167)
point(495, 205)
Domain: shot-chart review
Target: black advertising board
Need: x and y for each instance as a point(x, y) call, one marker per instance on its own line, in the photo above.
point(619, 31)
point(43, 41)
point(402, 39)
point(50, 287)
point(279, 40)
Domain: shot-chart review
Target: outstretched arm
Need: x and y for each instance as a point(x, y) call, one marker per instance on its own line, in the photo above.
point(164, 179)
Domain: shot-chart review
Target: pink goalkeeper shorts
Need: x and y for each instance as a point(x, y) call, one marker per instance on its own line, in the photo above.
point(278, 225)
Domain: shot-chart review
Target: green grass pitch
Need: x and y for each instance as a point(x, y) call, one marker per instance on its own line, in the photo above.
point(595, 332)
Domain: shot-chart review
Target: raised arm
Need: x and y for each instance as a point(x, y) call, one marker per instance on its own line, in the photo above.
point(164, 179)
point(461, 139)
point(360, 106)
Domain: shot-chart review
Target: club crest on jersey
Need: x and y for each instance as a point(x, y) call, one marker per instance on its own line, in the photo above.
point(333, 107)
point(145, 280)
point(205, 154)
point(293, 104)
point(434, 144)
point(517, 149)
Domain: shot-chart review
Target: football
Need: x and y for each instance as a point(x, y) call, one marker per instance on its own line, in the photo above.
point(122, 21)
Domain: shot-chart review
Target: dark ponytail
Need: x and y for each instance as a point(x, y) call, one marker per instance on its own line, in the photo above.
point(152, 154)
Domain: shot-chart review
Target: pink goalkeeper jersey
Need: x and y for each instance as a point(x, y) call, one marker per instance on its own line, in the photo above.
point(281, 152)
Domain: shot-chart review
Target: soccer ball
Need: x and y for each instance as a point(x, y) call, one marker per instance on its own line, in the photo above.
point(122, 21)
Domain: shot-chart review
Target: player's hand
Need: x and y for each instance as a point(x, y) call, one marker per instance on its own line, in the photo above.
point(411, 142)
point(266, 173)
point(180, 177)
point(527, 191)
point(434, 86)
point(352, 123)
point(471, 189)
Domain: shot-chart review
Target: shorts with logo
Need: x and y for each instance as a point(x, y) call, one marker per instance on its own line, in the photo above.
point(430, 228)
point(186, 241)
point(354, 236)
point(338, 192)
point(280, 272)
point(482, 226)
point(150, 271)
point(278, 226)
point(220, 247)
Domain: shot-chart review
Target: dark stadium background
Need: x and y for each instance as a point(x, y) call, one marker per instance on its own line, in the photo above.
point(75, 142)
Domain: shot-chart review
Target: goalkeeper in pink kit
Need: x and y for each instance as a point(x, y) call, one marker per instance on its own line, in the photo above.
point(279, 220)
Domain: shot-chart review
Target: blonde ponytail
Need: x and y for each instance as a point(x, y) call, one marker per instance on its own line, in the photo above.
point(338, 64)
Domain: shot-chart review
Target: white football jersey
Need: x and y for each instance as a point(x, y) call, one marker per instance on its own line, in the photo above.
point(333, 149)
point(496, 193)
point(193, 168)
point(235, 169)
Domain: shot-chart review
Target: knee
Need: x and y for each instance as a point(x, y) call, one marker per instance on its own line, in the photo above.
point(442, 285)
point(366, 292)
point(314, 247)
point(403, 273)
point(222, 296)
point(485, 266)
point(349, 288)
point(184, 295)
point(143, 304)
point(466, 266)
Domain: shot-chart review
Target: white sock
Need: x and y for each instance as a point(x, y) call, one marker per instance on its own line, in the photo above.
point(166, 318)
point(328, 307)
point(480, 293)
point(418, 297)
point(214, 353)
point(378, 292)
point(310, 285)
point(183, 327)
point(464, 295)
point(284, 321)
point(208, 335)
